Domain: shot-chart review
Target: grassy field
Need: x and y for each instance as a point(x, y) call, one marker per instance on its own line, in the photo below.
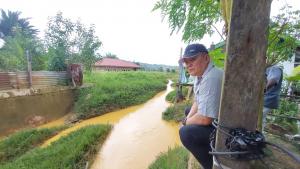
point(69, 152)
point(19, 143)
point(116, 90)
point(176, 158)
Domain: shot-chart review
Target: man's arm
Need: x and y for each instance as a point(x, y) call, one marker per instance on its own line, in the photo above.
point(199, 120)
point(271, 83)
point(195, 118)
point(193, 110)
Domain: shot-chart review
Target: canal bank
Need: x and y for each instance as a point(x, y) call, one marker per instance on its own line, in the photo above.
point(138, 137)
point(21, 108)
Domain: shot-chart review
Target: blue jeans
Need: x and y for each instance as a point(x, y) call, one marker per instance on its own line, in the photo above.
point(196, 139)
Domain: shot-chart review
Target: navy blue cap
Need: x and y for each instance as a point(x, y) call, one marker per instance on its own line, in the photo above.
point(193, 49)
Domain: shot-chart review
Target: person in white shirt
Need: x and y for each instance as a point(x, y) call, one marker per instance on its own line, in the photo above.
point(197, 126)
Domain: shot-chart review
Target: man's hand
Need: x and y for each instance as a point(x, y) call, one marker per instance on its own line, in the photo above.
point(271, 83)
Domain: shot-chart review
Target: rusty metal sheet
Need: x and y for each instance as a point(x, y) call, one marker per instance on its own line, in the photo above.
point(15, 80)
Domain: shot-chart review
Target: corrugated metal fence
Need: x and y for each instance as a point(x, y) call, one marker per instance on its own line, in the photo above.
point(17, 80)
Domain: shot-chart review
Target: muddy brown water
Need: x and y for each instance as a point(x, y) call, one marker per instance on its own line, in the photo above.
point(138, 137)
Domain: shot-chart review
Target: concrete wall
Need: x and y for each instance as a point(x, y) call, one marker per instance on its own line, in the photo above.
point(19, 108)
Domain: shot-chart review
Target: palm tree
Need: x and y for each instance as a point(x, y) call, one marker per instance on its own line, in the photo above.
point(11, 22)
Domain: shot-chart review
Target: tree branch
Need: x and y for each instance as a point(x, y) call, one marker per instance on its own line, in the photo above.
point(279, 32)
point(218, 31)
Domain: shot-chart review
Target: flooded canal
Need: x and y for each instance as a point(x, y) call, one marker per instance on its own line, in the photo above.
point(138, 136)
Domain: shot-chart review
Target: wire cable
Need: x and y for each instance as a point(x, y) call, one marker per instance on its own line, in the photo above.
point(289, 153)
point(242, 139)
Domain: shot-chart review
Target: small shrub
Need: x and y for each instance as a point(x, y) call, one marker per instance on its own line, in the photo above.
point(286, 108)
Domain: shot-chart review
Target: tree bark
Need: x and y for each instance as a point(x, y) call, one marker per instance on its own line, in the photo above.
point(244, 71)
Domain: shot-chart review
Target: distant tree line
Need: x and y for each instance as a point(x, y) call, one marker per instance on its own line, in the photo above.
point(64, 42)
point(157, 67)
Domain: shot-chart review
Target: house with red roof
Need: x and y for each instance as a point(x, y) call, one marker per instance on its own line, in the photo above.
point(110, 64)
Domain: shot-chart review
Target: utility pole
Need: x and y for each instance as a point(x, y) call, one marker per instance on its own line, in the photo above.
point(244, 71)
point(179, 94)
point(29, 69)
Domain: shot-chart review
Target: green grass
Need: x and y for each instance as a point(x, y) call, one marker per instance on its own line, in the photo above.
point(116, 90)
point(19, 143)
point(172, 95)
point(286, 108)
point(176, 158)
point(69, 152)
point(175, 112)
point(173, 77)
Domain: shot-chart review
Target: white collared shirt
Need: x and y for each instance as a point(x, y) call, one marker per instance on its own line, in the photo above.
point(207, 90)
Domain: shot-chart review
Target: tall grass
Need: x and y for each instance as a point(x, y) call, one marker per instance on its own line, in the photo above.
point(172, 95)
point(176, 158)
point(19, 143)
point(115, 90)
point(176, 112)
point(69, 152)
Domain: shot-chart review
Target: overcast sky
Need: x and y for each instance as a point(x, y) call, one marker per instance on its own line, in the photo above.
point(126, 28)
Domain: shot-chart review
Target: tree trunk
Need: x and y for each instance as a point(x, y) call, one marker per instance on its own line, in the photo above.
point(244, 71)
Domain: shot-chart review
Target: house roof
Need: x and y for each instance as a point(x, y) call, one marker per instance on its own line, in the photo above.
point(109, 62)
